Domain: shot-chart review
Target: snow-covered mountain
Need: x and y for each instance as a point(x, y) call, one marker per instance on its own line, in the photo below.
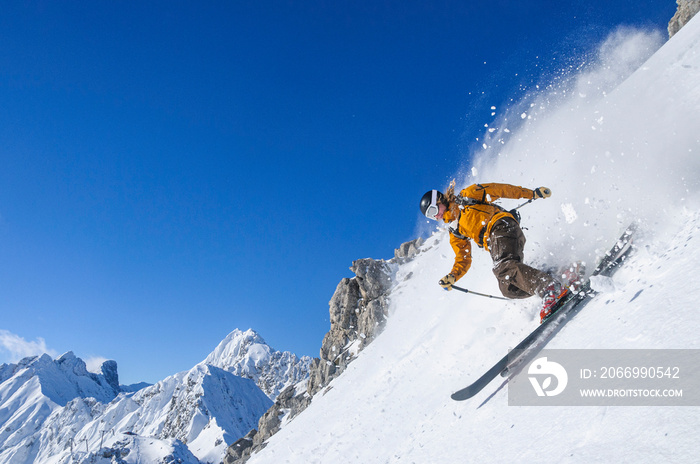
point(55, 411)
point(31, 390)
point(615, 146)
point(246, 354)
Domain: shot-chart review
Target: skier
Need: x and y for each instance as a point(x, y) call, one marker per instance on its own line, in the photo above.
point(473, 216)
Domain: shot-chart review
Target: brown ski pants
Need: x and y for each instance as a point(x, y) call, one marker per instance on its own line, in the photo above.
point(515, 279)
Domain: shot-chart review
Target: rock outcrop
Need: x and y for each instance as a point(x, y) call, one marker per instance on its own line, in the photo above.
point(685, 12)
point(358, 311)
point(109, 371)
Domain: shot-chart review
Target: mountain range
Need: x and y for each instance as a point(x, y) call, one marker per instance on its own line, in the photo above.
point(55, 411)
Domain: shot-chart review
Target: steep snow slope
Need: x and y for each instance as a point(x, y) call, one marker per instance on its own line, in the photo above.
point(632, 152)
point(393, 405)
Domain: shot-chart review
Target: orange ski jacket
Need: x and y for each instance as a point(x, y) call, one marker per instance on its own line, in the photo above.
point(474, 222)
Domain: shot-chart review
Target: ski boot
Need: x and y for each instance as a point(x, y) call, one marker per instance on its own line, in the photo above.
point(552, 295)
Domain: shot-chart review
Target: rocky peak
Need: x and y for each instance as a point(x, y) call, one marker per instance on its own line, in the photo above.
point(62, 379)
point(109, 371)
point(246, 354)
point(70, 363)
point(238, 346)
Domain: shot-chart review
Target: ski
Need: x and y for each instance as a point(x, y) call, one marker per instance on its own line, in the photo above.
point(566, 309)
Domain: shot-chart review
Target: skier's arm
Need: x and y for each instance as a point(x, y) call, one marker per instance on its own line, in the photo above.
point(493, 191)
point(463, 256)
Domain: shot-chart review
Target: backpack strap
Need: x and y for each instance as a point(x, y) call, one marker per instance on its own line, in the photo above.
point(483, 197)
point(455, 230)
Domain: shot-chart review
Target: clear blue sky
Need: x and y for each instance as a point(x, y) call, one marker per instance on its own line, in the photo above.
point(170, 171)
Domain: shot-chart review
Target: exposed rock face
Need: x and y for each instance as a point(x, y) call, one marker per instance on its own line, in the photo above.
point(407, 250)
point(358, 311)
point(240, 450)
point(686, 10)
point(288, 405)
point(109, 371)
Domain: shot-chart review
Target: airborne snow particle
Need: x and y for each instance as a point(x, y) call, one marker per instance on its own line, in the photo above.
point(569, 212)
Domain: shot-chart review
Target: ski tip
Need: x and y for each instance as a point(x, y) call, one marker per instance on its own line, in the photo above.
point(461, 395)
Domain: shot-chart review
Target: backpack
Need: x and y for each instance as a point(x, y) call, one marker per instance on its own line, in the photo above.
point(466, 201)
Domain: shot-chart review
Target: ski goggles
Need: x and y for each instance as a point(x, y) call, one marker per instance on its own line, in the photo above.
point(433, 209)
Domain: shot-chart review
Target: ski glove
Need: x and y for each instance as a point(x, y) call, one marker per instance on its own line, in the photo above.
point(447, 281)
point(542, 192)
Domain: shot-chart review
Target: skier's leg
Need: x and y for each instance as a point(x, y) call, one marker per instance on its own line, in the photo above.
point(515, 279)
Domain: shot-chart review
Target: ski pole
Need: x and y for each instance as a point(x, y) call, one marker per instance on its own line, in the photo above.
point(527, 202)
point(480, 294)
point(547, 191)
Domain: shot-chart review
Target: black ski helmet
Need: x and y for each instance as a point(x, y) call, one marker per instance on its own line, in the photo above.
point(429, 203)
